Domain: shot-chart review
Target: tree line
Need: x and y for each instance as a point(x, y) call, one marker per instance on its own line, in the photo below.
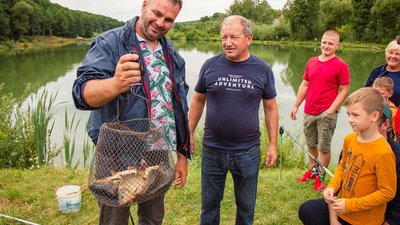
point(21, 18)
point(303, 20)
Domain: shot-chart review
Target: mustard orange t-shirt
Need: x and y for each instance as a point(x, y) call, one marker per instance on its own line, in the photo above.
point(366, 176)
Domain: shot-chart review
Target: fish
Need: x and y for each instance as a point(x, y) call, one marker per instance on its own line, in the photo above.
point(134, 184)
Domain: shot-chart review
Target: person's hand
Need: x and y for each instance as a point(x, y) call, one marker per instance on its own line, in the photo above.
point(270, 156)
point(180, 171)
point(339, 205)
point(127, 72)
point(192, 144)
point(329, 196)
point(293, 113)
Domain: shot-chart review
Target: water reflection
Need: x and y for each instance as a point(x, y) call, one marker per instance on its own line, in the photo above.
point(55, 69)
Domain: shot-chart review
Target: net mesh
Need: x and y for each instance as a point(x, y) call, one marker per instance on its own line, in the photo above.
point(132, 163)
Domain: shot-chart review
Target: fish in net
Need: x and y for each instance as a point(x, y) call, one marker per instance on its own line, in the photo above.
point(132, 163)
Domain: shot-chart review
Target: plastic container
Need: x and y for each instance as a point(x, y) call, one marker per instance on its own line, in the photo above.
point(69, 198)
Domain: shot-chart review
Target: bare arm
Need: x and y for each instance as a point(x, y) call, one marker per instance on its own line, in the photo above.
point(195, 112)
point(343, 92)
point(271, 123)
point(301, 95)
point(101, 91)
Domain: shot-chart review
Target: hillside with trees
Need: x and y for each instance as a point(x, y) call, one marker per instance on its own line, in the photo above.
point(375, 21)
point(303, 20)
point(22, 18)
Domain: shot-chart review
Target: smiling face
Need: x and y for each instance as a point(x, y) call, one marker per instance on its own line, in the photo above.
point(329, 45)
point(393, 60)
point(157, 19)
point(235, 42)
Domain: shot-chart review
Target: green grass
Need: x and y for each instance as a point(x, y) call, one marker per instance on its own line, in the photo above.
point(30, 195)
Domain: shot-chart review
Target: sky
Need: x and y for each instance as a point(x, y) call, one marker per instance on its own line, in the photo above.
point(124, 10)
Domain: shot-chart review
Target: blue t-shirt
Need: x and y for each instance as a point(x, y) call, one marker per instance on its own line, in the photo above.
point(234, 91)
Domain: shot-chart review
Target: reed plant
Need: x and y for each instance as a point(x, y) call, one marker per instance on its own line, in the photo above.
point(69, 140)
point(43, 123)
point(88, 149)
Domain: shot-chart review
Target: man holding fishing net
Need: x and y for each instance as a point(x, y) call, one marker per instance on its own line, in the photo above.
point(133, 61)
point(325, 85)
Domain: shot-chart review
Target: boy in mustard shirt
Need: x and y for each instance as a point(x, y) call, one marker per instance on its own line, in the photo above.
point(365, 179)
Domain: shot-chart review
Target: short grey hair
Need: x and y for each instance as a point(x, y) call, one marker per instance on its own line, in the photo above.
point(246, 24)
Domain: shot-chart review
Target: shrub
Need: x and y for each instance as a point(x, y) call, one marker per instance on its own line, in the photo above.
point(16, 137)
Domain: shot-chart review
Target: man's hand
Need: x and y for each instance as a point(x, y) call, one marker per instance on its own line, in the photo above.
point(270, 156)
point(180, 171)
point(293, 113)
point(192, 143)
point(127, 72)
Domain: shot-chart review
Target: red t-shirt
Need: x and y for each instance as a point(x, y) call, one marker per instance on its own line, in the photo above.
point(324, 79)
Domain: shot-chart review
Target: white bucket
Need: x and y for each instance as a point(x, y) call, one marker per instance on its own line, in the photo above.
point(69, 198)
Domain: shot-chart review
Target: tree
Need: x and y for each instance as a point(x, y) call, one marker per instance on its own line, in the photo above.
point(335, 13)
point(257, 12)
point(386, 19)
point(303, 17)
point(4, 22)
point(21, 12)
point(361, 17)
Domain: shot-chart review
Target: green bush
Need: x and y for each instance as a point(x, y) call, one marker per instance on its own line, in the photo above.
point(16, 134)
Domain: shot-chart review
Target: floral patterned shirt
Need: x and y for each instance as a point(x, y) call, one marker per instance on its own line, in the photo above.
point(161, 109)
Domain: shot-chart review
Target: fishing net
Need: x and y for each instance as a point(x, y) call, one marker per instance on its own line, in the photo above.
point(132, 163)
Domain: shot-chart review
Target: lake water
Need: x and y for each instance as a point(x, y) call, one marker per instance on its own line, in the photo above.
point(55, 71)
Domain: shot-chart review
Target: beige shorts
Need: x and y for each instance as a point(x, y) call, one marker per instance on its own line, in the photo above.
point(319, 129)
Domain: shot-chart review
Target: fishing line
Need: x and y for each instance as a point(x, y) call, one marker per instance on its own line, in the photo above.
point(308, 153)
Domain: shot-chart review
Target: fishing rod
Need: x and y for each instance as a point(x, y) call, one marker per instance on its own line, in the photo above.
point(281, 131)
point(19, 220)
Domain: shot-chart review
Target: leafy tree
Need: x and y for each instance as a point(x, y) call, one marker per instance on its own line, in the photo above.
point(61, 22)
point(386, 19)
point(257, 12)
point(335, 13)
point(361, 17)
point(303, 17)
point(4, 21)
point(21, 12)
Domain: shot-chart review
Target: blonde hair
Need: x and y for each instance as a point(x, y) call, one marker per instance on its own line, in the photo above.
point(393, 46)
point(332, 33)
point(369, 98)
point(385, 82)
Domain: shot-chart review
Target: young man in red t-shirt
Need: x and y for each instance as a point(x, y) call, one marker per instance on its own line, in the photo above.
point(326, 83)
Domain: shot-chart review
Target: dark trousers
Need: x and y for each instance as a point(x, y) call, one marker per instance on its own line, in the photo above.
point(149, 213)
point(316, 212)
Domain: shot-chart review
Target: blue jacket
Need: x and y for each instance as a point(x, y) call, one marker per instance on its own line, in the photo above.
point(100, 63)
point(381, 71)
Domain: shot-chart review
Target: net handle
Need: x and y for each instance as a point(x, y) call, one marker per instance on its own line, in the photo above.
point(124, 95)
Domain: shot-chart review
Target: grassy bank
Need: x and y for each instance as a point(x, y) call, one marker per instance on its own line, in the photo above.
point(39, 42)
point(30, 195)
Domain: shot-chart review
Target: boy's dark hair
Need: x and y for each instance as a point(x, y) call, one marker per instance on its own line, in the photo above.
point(369, 97)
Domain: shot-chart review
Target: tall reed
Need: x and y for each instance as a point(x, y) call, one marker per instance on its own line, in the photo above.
point(69, 140)
point(88, 150)
point(42, 115)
